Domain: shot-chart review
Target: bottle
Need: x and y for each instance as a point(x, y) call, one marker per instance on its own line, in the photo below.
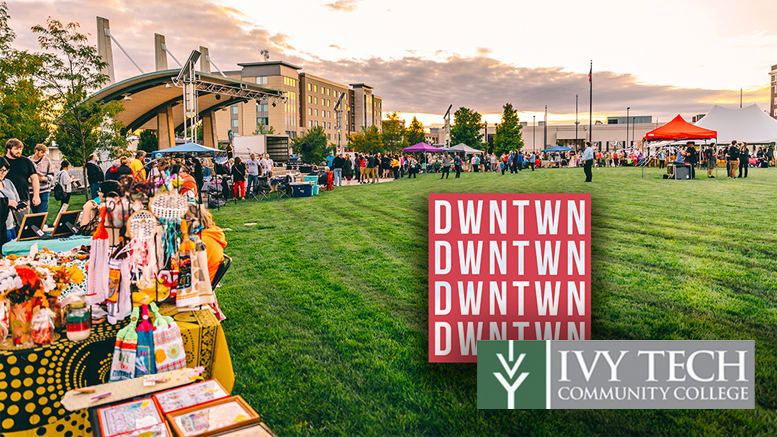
point(79, 321)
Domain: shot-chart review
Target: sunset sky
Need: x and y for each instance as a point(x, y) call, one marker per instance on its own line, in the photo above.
point(660, 58)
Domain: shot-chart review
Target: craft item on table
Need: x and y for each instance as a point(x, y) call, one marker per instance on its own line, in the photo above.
point(118, 212)
point(220, 415)
point(125, 351)
point(43, 326)
point(84, 390)
point(186, 294)
point(21, 324)
point(127, 417)
point(142, 228)
point(79, 321)
point(197, 371)
point(98, 264)
point(145, 364)
point(4, 321)
point(119, 304)
point(169, 353)
point(190, 395)
point(98, 397)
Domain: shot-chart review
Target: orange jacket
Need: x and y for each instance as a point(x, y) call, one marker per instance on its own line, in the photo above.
point(215, 242)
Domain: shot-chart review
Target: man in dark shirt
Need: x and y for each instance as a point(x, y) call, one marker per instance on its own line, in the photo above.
point(371, 171)
point(691, 157)
point(733, 159)
point(22, 174)
point(709, 155)
point(338, 162)
point(744, 159)
point(94, 174)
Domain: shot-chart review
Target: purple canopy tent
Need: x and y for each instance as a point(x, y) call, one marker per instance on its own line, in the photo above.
point(421, 147)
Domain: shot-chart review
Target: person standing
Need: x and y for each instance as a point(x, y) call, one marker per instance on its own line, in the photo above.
point(372, 163)
point(519, 161)
point(744, 159)
point(45, 170)
point(94, 175)
point(64, 179)
point(709, 157)
point(338, 164)
point(239, 176)
point(588, 161)
point(268, 166)
point(138, 165)
point(532, 160)
point(690, 157)
point(22, 174)
point(254, 168)
point(7, 205)
point(457, 165)
point(446, 165)
point(198, 176)
point(733, 159)
point(347, 169)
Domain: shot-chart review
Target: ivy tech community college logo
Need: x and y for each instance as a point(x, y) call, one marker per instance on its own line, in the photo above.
point(618, 374)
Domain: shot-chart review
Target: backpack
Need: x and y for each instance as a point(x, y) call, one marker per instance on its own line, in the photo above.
point(59, 192)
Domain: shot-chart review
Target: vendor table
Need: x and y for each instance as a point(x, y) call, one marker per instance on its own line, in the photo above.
point(34, 379)
point(22, 248)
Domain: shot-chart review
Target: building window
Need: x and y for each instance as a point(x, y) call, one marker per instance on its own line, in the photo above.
point(234, 109)
point(310, 87)
point(261, 80)
point(262, 121)
point(329, 125)
point(262, 107)
point(315, 112)
point(315, 88)
point(235, 123)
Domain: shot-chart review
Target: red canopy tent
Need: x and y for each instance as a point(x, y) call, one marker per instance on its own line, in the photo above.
point(679, 129)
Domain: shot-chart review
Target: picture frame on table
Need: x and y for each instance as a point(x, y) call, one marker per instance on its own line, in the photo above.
point(255, 430)
point(27, 230)
point(170, 401)
point(213, 418)
point(158, 430)
point(65, 224)
point(125, 418)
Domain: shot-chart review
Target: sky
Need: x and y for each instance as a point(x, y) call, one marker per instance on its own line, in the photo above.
point(657, 58)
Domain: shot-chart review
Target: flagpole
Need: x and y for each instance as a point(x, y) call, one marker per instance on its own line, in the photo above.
point(591, 103)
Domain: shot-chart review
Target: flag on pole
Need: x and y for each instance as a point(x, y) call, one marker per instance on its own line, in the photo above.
point(590, 73)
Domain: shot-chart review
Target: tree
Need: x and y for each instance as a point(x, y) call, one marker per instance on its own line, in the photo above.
point(69, 74)
point(415, 133)
point(367, 141)
point(24, 113)
point(466, 128)
point(262, 129)
point(508, 132)
point(312, 146)
point(394, 133)
point(148, 141)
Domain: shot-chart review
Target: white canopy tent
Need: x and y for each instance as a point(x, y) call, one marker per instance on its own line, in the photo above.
point(749, 124)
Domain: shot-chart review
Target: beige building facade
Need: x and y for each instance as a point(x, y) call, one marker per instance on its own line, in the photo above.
point(309, 102)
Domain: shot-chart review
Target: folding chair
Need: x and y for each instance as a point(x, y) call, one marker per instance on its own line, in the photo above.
point(223, 267)
point(261, 190)
point(330, 181)
point(284, 188)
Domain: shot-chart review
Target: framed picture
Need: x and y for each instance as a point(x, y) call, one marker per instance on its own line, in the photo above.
point(158, 430)
point(213, 418)
point(190, 395)
point(31, 222)
point(257, 430)
point(128, 417)
point(65, 224)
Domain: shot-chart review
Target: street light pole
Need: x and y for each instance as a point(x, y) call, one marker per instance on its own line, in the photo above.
point(534, 132)
point(626, 144)
point(545, 137)
point(576, 122)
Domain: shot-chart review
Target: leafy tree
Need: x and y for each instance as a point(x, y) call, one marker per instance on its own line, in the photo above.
point(24, 113)
point(508, 132)
point(394, 133)
point(367, 141)
point(466, 128)
point(415, 133)
point(262, 129)
point(148, 141)
point(69, 74)
point(312, 146)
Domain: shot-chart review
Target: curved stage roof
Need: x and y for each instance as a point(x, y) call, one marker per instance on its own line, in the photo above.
point(151, 92)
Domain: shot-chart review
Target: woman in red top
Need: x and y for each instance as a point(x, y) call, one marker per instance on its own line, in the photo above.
point(189, 187)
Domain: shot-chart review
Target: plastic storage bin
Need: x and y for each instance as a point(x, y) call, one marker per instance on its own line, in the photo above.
point(302, 190)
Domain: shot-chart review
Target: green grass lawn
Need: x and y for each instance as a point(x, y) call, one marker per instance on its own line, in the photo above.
point(327, 301)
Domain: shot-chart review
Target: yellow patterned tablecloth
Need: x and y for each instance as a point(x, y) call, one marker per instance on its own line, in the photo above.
point(33, 380)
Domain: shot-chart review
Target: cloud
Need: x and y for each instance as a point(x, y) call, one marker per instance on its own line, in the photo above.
point(419, 85)
point(484, 51)
point(335, 46)
point(343, 5)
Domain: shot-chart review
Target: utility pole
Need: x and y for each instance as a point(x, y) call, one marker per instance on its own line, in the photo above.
point(534, 132)
point(576, 122)
point(545, 141)
point(626, 146)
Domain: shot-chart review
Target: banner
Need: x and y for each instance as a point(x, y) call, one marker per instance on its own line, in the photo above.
point(507, 267)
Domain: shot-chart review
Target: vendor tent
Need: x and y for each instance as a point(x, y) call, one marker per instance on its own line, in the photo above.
point(421, 147)
point(191, 149)
point(461, 147)
point(558, 149)
point(679, 129)
point(750, 124)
